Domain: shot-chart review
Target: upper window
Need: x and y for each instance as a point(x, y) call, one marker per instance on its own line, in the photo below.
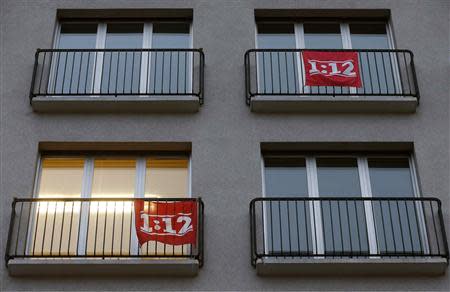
point(278, 59)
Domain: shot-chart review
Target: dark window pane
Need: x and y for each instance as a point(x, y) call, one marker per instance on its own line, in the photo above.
point(171, 72)
point(73, 71)
point(288, 224)
point(121, 71)
point(396, 222)
point(343, 221)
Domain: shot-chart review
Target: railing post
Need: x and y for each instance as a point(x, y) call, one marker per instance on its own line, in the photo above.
point(33, 78)
point(444, 234)
point(202, 76)
point(414, 76)
point(10, 231)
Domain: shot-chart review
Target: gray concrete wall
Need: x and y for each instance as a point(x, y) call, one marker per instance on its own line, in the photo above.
point(225, 135)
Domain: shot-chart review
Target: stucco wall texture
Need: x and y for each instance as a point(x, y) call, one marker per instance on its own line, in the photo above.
point(225, 135)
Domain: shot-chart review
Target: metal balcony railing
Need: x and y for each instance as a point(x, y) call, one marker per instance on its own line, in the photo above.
point(280, 72)
point(118, 72)
point(102, 228)
point(296, 227)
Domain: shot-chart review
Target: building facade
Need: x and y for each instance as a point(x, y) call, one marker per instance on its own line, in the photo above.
point(198, 115)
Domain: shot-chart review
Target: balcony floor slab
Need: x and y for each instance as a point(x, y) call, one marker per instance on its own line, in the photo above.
point(103, 267)
point(429, 266)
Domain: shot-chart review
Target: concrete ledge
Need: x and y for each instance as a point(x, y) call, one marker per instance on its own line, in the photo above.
point(351, 266)
point(112, 104)
point(339, 104)
point(103, 267)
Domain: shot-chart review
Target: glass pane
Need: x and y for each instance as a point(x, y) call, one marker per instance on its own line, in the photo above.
point(326, 35)
point(73, 70)
point(277, 71)
point(166, 178)
point(396, 222)
point(121, 71)
point(288, 224)
point(377, 68)
point(171, 72)
point(343, 221)
point(110, 223)
point(56, 224)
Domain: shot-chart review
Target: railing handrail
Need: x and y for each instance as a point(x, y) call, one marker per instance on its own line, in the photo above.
point(332, 50)
point(350, 198)
point(124, 199)
point(199, 50)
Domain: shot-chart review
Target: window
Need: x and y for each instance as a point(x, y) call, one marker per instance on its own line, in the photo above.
point(282, 72)
point(120, 68)
point(73, 227)
point(329, 218)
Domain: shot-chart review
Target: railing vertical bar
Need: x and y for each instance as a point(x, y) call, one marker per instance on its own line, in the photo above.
point(294, 68)
point(132, 73)
point(392, 226)
point(332, 228)
point(306, 227)
point(370, 73)
point(298, 226)
point(434, 228)
point(154, 73)
point(113, 228)
point(109, 72)
point(409, 226)
point(263, 228)
point(87, 72)
point(407, 73)
point(384, 71)
point(70, 229)
point(18, 227)
point(357, 227)
point(400, 223)
point(178, 71)
point(79, 72)
point(289, 226)
point(71, 72)
point(376, 70)
point(185, 72)
point(42, 71)
point(281, 230)
point(170, 72)
point(349, 228)
point(393, 73)
point(96, 228)
point(56, 72)
point(89, 208)
point(271, 227)
point(124, 73)
point(62, 228)
point(28, 228)
point(53, 229)
point(384, 230)
point(264, 71)
point(122, 216)
point(64, 73)
point(287, 75)
point(162, 72)
point(340, 225)
point(45, 228)
point(117, 72)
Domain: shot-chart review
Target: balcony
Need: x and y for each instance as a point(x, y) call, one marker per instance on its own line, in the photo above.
point(117, 80)
point(65, 236)
point(274, 82)
point(348, 236)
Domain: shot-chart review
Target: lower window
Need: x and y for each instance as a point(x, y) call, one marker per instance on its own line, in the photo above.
point(342, 205)
point(86, 205)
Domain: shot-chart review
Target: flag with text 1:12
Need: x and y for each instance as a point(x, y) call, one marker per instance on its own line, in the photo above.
point(170, 222)
point(324, 68)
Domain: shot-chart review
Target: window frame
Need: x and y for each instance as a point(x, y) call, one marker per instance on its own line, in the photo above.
point(318, 246)
point(299, 37)
point(147, 37)
point(86, 190)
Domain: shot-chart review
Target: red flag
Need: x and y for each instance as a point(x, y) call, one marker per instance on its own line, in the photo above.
point(171, 222)
point(331, 68)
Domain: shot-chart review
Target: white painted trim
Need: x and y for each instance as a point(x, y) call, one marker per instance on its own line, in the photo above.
point(315, 210)
point(366, 192)
point(86, 191)
point(100, 44)
point(146, 58)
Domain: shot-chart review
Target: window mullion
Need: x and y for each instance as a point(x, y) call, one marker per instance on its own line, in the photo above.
point(366, 192)
point(315, 206)
point(100, 44)
point(86, 192)
point(146, 57)
point(300, 44)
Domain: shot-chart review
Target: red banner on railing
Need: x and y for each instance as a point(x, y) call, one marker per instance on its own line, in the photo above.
point(331, 68)
point(166, 222)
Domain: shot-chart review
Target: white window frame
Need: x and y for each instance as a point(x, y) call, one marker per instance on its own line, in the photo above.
point(366, 192)
point(86, 192)
point(147, 37)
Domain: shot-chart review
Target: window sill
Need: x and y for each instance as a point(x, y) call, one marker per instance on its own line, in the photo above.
point(338, 104)
point(351, 266)
point(112, 104)
point(103, 267)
